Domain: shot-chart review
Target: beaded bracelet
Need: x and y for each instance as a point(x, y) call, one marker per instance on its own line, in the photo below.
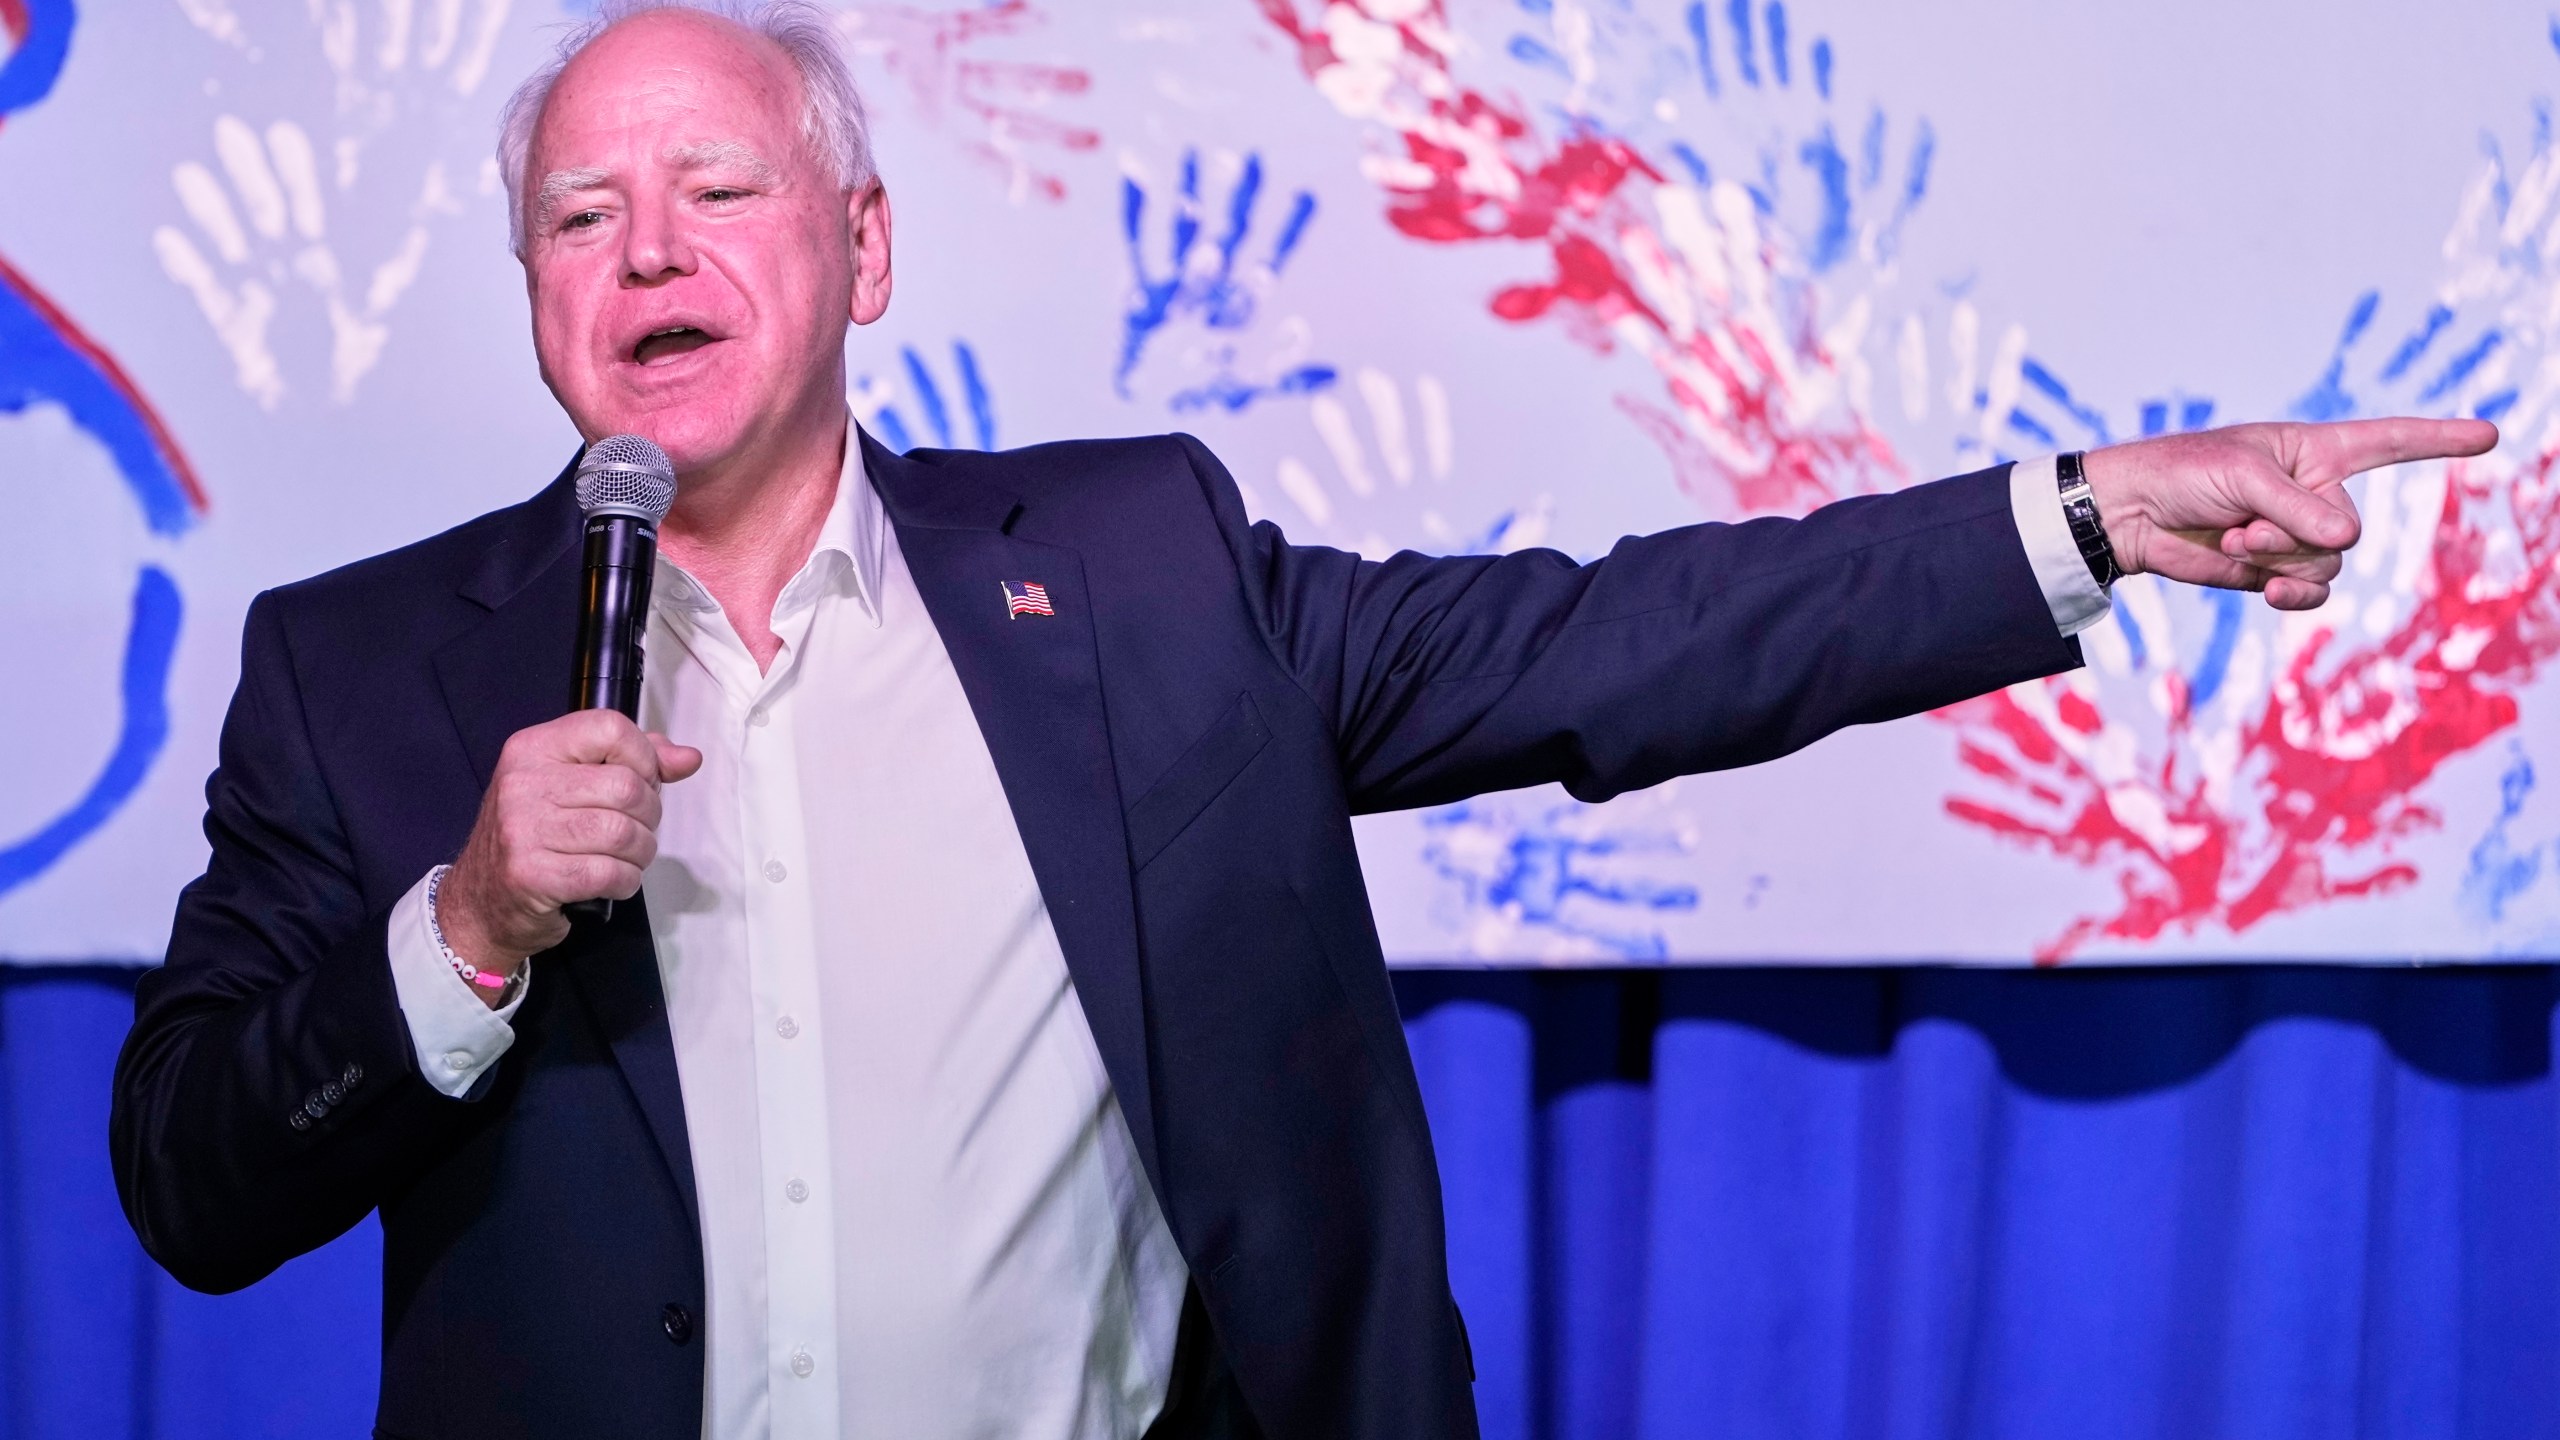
point(472, 974)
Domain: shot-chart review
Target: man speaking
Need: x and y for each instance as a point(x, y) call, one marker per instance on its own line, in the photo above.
point(992, 1038)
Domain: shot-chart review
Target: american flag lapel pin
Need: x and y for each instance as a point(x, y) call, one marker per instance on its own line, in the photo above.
point(1031, 599)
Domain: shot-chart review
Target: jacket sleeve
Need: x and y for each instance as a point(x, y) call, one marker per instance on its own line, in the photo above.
point(266, 1098)
point(1696, 649)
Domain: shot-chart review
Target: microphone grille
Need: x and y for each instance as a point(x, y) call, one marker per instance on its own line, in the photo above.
point(629, 475)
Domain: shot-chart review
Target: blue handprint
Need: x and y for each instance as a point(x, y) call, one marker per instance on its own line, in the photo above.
point(1842, 183)
point(1545, 872)
point(1770, 127)
point(2504, 886)
point(876, 402)
point(1216, 288)
point(2421, 385)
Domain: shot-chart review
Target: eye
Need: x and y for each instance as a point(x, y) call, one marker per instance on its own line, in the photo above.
point(722, 194)
point(584, 219)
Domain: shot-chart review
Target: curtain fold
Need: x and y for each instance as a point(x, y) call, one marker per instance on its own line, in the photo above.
point(2253, 1201)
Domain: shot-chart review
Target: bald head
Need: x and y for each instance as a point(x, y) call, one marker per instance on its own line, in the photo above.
point(795, 33)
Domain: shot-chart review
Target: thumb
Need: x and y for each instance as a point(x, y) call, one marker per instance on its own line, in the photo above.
point(675, 762)
point(2313, 521)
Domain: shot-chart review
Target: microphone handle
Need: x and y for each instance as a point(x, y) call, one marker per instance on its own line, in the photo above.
point(613, 615)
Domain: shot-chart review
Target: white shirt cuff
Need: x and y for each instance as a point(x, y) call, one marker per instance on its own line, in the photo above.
point(2070, 591)
point(456, 1037)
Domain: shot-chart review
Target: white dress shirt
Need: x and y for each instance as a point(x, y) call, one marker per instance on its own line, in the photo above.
point(922, 1213)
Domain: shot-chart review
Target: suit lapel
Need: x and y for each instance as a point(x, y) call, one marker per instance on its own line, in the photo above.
point(515, 669)
point(1035, 686)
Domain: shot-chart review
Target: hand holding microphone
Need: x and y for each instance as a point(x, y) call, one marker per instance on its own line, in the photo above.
point(569, 821)
point(571, 814)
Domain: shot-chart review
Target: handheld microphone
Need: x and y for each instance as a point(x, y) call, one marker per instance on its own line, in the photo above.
point(625, 485)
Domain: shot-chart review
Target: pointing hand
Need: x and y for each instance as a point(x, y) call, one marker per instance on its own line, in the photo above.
point(2257, 507)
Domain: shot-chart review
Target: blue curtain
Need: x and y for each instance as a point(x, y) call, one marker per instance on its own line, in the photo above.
point(2260, 1202)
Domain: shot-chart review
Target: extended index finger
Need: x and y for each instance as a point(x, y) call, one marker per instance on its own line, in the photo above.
point(2332, 452)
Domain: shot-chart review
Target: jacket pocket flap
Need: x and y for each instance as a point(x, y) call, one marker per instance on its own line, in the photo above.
point(1206, 769)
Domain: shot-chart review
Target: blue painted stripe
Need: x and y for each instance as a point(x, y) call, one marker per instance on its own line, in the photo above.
point(928, 397)
point(2027, 425)
point(1240, 212)
point(1703, 44)
point(37, 364)
point(2132, 632)
point(2034, 373)
point(1776, 19)
point(973, 386)
point(2416, 345)
point(1301, 212)
point(1528, 50)
point(151, 643)
point(2215, 667)
point(2360, 318)
point(893, 430)
point(1822, 68)
point(2461, 366)
point(1830, 168)
point(1924, 149)
point(1744, 62)
point(30, 72)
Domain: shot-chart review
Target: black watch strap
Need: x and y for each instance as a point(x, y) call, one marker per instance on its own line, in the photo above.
point(2080, 508)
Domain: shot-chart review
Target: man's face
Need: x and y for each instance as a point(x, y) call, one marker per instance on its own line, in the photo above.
point(690, 259)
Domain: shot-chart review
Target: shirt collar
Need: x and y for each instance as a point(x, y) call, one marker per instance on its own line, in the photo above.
point(848, 548)
point(848, 552)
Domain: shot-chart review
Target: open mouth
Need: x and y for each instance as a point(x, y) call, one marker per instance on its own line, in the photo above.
point(667, 344)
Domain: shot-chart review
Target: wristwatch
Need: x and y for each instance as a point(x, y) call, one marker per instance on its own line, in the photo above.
point(2080, 508)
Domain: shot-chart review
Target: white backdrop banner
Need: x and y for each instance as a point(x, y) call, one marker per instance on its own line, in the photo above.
point(1461, 276)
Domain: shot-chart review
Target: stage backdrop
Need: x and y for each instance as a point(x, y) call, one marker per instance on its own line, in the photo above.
point(1457, 276)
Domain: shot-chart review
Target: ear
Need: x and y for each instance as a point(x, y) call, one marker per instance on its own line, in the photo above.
point(868, 227)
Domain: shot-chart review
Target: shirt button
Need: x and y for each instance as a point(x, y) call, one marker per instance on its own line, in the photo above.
point(798, 1190)
point(803, 1363)
point(774, 872)
point(787, 1028)
point(457, 1059)
point(759, 717)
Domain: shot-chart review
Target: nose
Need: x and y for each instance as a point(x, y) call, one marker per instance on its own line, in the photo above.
point(655, 248)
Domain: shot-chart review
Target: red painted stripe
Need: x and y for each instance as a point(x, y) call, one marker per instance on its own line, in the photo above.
point(78, 339)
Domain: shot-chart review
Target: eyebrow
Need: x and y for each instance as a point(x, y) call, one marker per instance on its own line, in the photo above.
point(718, 154)
point(559, 185)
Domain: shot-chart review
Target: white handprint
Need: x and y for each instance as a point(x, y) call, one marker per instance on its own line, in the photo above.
point(265, 220)
point(261, 211)
point(1394, 429)
point(370, 75)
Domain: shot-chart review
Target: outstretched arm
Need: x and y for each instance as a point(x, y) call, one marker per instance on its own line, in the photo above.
point(1721, 645)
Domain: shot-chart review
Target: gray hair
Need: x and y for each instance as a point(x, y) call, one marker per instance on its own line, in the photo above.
point(832, 121)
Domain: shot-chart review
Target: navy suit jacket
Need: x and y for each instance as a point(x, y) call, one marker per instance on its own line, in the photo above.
point(1183, 746)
